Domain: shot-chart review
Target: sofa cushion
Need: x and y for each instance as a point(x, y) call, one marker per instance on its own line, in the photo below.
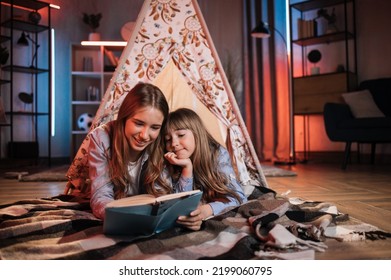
point(381, 93)
point(362, 105)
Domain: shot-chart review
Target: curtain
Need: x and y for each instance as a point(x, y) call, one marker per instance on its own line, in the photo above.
point(266, 80)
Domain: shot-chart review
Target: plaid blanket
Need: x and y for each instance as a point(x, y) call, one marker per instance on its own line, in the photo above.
point(267, 227)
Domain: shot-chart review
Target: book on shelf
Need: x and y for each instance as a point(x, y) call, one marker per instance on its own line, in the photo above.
point(306, 28)
point(145, 215)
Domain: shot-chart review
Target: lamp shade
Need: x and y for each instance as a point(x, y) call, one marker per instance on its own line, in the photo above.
point(23, 40)
point(26, 98)
point(261, 30)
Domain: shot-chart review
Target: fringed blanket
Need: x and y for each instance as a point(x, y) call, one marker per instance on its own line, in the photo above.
point(267, 227)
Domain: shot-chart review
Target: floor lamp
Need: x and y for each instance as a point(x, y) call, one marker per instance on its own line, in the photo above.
point(262, 30)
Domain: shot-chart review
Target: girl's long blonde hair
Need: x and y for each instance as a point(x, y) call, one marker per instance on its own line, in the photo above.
point(204, 158)
point(141, 96)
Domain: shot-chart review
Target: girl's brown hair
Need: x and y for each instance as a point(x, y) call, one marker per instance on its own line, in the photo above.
point(204, 158)
point(141, 96)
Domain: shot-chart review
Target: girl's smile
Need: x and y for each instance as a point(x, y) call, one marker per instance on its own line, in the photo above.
point(181, 142)
point(142, 129)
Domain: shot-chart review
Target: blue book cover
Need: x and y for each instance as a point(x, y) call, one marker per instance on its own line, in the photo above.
point(145, 215)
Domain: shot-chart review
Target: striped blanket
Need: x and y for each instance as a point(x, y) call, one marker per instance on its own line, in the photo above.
point(267, 227)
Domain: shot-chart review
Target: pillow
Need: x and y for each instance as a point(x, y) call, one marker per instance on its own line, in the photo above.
point(362, 105)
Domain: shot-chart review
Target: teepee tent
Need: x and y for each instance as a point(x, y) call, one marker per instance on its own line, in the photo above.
point(171, 48)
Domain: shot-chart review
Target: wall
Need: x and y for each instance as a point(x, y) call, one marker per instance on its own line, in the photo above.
point(374, 38)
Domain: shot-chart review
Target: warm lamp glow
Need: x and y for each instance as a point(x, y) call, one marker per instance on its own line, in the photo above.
point(104, 43)
point(28, 9)
point(54, 6)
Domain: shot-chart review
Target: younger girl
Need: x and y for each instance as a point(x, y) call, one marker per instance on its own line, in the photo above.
point(198, 161)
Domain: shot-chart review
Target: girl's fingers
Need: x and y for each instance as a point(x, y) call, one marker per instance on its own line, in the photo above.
point(190, 225)
point(171, 157)
point(193, 222)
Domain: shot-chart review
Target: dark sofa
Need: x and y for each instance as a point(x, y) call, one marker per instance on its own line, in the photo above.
point(342, 126)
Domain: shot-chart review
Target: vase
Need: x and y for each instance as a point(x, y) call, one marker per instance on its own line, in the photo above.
point(315, 70)
point(94, 36)
point(322, 26)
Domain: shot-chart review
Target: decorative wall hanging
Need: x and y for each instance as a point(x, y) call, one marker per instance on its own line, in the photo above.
point(314, 57)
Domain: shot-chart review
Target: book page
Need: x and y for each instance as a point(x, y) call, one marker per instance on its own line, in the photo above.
point(134, 200)
point(176, 195)
point(144, 199)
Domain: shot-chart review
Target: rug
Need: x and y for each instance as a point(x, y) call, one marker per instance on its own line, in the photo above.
point(57, 174)
point(266, 227)
point(272, 171)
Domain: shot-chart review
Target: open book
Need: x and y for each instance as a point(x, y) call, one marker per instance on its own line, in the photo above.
point(144, 215)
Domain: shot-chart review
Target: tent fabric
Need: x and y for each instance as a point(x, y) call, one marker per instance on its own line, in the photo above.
point(172, 48)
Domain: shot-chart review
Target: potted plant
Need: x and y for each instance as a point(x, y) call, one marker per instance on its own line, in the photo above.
point(330, 18)
point(93, 21)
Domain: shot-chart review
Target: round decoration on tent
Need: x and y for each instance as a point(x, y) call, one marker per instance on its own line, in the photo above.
point(314, 57)
point(84, 121)
point(127, 29)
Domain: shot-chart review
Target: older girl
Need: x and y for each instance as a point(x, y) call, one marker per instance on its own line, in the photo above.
point(125, 155)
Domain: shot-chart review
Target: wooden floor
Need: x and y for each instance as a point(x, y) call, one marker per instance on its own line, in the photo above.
point(362, 191)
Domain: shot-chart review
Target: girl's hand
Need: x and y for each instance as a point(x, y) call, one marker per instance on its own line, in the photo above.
point(186, 164)
point(173, 159)
point(194, 220)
